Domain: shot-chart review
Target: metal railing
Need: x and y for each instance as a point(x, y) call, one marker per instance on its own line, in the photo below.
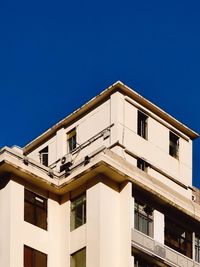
point(160, 251)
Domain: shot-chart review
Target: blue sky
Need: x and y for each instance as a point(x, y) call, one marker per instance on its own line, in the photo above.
point(56, 55)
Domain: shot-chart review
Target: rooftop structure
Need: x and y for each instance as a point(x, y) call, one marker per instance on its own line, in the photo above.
point(109, 185)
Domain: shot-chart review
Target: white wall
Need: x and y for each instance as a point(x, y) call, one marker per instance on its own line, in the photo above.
point(108, 226)
point(17, 233)
point(156, 149)
point(5, 223)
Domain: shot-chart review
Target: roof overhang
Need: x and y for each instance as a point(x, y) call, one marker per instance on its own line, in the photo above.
point(105, 164)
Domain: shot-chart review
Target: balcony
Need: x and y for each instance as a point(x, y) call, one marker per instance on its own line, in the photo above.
point(160, 251)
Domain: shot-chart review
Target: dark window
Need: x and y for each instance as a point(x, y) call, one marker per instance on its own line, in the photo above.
point(178, 238)
point(197, 248)
point(78, 259)
point(143, 218)
point(78, 212)
point(44, 156)
point(71, 140)
point(173, 145)
point(34, 258)
point(35, 209)
point(142, 125)
point(138, 262)
point(142, 165)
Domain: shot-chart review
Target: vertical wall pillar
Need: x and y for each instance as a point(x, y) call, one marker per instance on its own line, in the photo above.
point(126, 224)
point(61, 143)
point(159, 226)
point(103, 224)
point(54, 234)
point(17, 218)
point(64, 228)
point(5, 219)
point(117, 118)
point(109, 226)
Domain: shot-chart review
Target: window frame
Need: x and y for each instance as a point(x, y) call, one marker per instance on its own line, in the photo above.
point(142, 125)
point(143, 222)
point(174, 145)
point(71, 140)
point(44, 156)
point(34, 255)
point(179, 242)
point(34, 206)
point(197, 248)
point(142, 164)
point(74, 264)
point(76, 203)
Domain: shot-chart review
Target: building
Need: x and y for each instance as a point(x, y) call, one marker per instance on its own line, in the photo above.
point(108, 186)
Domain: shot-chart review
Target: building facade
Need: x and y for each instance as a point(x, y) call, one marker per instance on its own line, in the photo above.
point(109, 185)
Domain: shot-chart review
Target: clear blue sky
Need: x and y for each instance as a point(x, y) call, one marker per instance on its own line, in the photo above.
point(56, 55)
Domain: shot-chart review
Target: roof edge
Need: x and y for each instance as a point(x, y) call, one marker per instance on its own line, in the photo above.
point(117, 86)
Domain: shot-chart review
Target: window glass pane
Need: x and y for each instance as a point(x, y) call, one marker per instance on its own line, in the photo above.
point(28, 257)
point(40, 259)
point(34, 258)
point(78, 259)
point(71, 139)
point(173, 145)
point(143, 218)
point(197, 249)
point(78, 212)
point(35, 209)
point(142, 125)
point(29, 196)
point(29, 213)
point(41, 218)
point(44, 156)
point(178, 238)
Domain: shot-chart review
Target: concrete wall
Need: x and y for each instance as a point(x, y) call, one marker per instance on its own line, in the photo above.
point(121, 112)
point(109, 226)
point(155, 149)
point(86, 127)
point(17, 233)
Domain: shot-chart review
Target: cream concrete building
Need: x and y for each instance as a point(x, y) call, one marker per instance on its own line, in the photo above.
point(108, 186)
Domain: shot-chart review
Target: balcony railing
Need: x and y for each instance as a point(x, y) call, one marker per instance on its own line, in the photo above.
point(160, 251)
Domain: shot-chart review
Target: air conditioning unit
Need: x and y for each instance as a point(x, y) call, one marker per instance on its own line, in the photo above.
point(66, 158)
point(66, 166)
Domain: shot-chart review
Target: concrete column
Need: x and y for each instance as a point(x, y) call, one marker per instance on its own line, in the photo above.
point(61, 143)
point(126, 224)
point(17, 217)
point(109, 226)
point(5, 219)
point(159, 226)
point(65, 232)
point(117, 117)
point(55, 235)
point(103, 224)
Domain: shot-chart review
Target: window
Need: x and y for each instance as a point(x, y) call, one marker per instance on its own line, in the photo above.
point(71, 140)
point(143, 218)
point(138, 262)
point(78, 212)
point(197, 248)
point(142, 165)
point(35, 209)
point(78, 259)
point(34, 258)
point(142, 125)
point(173, 145)
point(44, 156)
point(178, 238)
